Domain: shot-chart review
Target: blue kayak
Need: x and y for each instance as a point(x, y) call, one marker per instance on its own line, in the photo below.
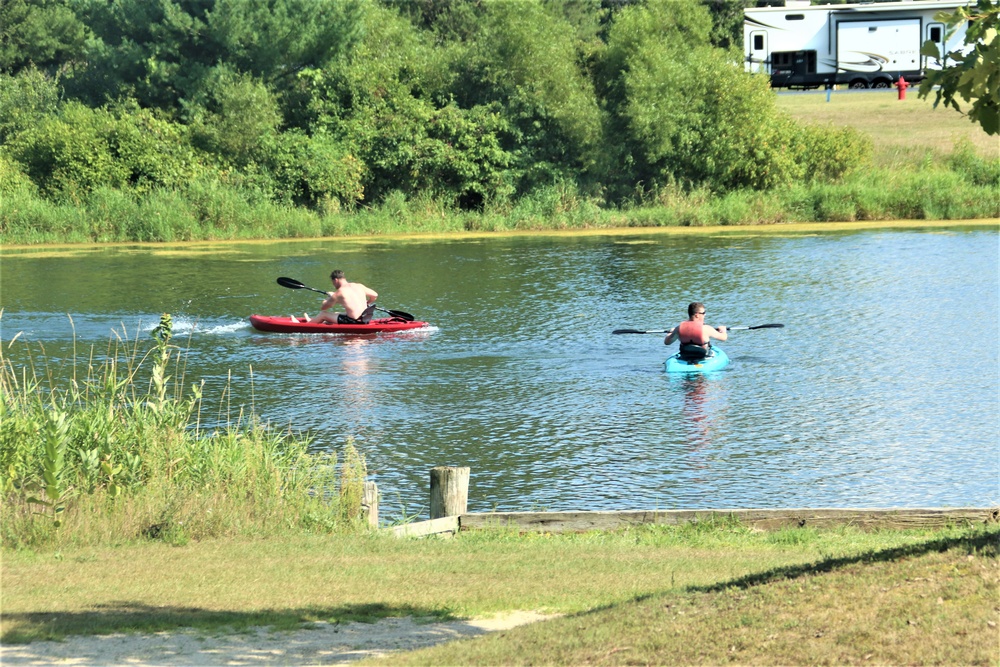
point(716, 362)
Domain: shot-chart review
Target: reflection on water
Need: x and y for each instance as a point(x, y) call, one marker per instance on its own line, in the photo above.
point(357, 398)
point(853, 404)
point(701, 411)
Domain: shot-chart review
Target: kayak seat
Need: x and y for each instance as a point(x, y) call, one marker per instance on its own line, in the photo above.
point(365, 318)
point(692, 352)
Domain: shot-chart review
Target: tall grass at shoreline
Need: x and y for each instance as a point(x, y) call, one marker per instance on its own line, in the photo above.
point(115, 452)
point(963, 189)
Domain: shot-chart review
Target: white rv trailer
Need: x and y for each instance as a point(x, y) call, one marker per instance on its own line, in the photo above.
point(863, 45)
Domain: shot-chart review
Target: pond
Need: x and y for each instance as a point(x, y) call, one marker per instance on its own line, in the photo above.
point(881, 390)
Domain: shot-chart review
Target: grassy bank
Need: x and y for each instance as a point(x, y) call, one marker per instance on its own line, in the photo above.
point(113, 450)
point(927, 164)
point(932, 602)
point(705, 594)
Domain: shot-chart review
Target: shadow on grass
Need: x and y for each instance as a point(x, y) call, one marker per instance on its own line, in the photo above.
point(133, 617)
point(982, 541)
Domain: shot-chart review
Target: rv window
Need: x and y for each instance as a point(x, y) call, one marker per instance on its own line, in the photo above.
point(782, 59)
point(936, 34)
point(794, 17)
point(872, 28)
point(758, 42)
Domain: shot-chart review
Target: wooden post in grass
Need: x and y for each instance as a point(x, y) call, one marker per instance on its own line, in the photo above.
point(369, 503)
point(449, 491)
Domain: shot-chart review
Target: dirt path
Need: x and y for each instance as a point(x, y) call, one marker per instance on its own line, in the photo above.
point(321, 644)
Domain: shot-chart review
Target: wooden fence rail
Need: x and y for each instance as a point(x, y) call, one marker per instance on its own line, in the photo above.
point(449, 494)
point(763, 519)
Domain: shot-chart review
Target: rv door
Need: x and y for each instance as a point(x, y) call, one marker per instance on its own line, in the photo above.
point(757, 59)
point(935, 33)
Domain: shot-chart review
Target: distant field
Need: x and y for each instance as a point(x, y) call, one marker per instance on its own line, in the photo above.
point(902, 130)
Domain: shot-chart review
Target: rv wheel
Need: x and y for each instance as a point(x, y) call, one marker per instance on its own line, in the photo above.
point(881, 83)
point(859, 83)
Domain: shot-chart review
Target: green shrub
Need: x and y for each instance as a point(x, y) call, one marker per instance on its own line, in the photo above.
point(827, 153)
point(317, 171)
point(12, 179)
point(154, 153)
point(973, 167)
point(234, 117)
point(69, 154)
point(25, 99)
point(524, 65)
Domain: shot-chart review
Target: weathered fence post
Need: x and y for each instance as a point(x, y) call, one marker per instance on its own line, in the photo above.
point(369, 503)
point(449, 491)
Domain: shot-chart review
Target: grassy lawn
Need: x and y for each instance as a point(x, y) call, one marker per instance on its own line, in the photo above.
point(929, 603)
point(648, 595)
point(903, 131)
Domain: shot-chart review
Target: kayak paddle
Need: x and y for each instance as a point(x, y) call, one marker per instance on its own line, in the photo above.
point(291, 283)
point(637, 331)
point(759, 326)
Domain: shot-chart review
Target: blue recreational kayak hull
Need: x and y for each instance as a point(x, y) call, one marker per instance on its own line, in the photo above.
point(716, 362)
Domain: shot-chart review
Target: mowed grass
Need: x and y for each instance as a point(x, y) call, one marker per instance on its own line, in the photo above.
point(931, 603)
point(706, 594)
point(903, 132)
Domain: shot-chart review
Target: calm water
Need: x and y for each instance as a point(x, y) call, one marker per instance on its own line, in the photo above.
point(882, 390)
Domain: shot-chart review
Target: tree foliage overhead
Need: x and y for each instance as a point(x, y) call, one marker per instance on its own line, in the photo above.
point(975, 76)
point(42, 33)
point(330, 103)
point(163, 52)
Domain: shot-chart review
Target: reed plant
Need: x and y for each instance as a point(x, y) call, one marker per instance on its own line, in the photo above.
point(961, 185)
point(114, 451)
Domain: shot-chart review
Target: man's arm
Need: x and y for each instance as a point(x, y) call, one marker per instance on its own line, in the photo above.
point(330, 301)
point(719, 333)
point(671, 336)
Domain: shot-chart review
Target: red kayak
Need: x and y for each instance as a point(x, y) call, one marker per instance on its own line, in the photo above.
point(286, 325)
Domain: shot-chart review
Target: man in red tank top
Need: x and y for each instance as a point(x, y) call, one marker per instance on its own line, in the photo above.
point(695, 336)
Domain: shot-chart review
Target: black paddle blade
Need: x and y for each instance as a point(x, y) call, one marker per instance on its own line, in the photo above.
point(291, 283)
point(759, 326)
point(397, 313)
point(637, 331)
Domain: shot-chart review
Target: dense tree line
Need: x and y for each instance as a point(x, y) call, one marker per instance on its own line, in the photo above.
point(339, 103)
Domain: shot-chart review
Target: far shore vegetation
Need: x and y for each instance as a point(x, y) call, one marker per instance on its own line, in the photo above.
point(926, 164)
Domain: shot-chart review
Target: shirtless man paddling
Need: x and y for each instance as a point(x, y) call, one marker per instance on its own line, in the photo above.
point(356, 299)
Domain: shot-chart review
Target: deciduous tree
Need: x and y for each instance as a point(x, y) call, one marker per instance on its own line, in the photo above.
point(44, 33)
point(975, 76)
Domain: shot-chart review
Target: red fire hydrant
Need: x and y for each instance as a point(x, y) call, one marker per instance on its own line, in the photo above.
point(901, 85)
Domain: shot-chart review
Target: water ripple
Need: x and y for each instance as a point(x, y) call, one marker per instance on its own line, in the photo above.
point(881, 390)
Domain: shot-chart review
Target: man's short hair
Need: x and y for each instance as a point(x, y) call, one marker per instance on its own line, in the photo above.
point(695, 307)
point(338, 274)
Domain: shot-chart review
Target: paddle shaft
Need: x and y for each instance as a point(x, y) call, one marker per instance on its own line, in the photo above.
point(649, 331)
